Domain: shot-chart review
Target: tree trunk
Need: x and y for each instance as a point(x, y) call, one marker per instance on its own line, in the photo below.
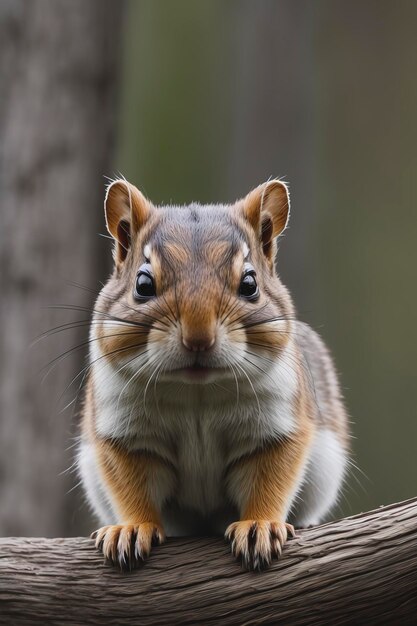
point(358, 570)
point(57, 84)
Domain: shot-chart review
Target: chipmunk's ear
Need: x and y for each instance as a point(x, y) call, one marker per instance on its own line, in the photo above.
point(126, 210)
point(267, 209)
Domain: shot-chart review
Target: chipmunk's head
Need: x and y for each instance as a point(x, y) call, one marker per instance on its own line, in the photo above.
point(194, 296)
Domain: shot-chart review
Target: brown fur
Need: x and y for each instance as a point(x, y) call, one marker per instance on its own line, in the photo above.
point(197, 260)
point(129, 476)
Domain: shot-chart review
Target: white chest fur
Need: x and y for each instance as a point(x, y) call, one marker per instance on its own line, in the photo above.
point(199, 429)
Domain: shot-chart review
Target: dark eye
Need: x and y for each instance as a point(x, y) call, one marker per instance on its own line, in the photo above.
point(145, 285)
point(248, 287)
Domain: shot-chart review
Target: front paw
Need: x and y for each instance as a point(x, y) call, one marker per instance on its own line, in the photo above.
point(128, 544)
point(257, 542)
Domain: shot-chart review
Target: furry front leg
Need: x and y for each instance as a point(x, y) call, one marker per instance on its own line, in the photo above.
point(136, 484)
point(263, 486)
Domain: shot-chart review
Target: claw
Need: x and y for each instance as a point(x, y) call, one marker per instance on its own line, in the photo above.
point(127, 544)
point(256, 542)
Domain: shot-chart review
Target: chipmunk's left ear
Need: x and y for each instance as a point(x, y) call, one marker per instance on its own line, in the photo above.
point(267, 209)
point(126, 210)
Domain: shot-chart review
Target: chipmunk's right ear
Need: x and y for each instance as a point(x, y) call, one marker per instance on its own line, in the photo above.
point(267, 209)
point(126, 211)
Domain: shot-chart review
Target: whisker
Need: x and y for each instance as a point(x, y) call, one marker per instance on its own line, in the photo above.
point(247, 315)
point(242, 369)
point(80, 346)
point(134, 375)
point(230, 364)
point(106, 315)
point(147, 386)
point(161, 369)
point(57, 329)
point(89, 365)
point(258, 367)
point(269, 320)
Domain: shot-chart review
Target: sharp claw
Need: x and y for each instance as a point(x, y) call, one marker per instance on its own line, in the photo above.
point(125, 545)
point(259, 541)
point(263, 563)
point(138, 553)
point(229, 535)
point(291, 531)
point(277, 548)
point(156, 537)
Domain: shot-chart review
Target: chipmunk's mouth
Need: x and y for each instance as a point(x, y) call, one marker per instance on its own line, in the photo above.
point(197, 373)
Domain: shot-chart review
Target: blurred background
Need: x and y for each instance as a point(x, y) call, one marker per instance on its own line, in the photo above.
point(203, 101)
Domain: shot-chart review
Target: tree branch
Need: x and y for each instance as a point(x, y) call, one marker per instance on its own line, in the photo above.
point(357, 570)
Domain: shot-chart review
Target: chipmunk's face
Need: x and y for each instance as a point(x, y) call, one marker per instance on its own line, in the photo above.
point(194, 297)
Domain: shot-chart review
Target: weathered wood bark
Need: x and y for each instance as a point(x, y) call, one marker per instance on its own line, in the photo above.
point(358, 570)
point(58, 82)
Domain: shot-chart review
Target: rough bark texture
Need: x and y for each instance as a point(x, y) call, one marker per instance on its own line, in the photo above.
point(359, 570)
point(58, 82)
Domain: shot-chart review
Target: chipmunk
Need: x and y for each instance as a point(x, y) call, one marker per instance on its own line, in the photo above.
point(209, 408)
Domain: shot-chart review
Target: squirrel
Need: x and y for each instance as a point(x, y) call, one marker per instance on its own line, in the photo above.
point(209, 408)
